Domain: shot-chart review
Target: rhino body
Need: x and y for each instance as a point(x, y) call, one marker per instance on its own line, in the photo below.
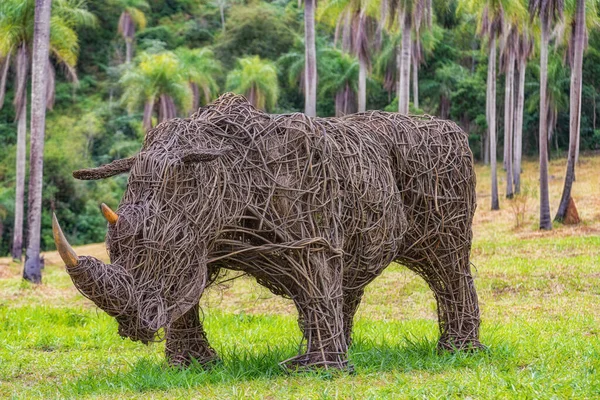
point(314, 209)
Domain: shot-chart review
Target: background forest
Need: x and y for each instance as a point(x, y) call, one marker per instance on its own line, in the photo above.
point(122, 66)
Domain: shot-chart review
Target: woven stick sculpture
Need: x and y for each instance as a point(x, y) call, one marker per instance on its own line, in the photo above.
point(313, 208)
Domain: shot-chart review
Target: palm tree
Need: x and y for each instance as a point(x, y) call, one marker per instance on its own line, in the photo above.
point(310, 66)
point(131, 17)
point(490, 14)
point(515, 23)
point(257, 80)
point(423, 45)
point(16, 42)
point(412, 15)
point(508, 57)
point(340, 78)
point(202, 70)
point(524, 50)
point(549, 11)
point(417, 59)
point(40, 77)
point(579, 41)
point(355, 24)
point(159, 83)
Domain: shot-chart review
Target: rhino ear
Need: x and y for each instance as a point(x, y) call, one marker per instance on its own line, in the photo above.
point(105, 171)
point(202, 155)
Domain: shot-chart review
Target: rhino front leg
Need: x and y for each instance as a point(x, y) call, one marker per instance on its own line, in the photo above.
point(186, 340)
point(320, 316)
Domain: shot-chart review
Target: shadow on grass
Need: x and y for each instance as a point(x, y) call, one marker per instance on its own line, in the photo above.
point(367, 356)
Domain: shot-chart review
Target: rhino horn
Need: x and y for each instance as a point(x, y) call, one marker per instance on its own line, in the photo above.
point(109, 214)
point(65, 250)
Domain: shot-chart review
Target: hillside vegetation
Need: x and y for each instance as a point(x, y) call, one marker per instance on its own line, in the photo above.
point(139, 62)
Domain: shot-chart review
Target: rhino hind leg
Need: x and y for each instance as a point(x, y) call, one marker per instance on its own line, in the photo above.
point(352, 299)
point(186, 340)
point(450, 279)
point(458, 313)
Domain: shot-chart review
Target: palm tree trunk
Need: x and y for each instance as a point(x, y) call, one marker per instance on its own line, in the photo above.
point(148, 109)
point(415, 82)
point(545, 220)
point(362, 84)
point(310, 65)
point(518, 129)
point(166, 108)
point(575, 110)
point(41, 44)
point(252, 96)
point(17, 249)
point(491, 76)
point(3, 75)
point(486, 148)
point(128, 49)
point(222, 12)
point(509, 122)
point(20, 102)
point(404, 72)
point(195, 96)
point(486, 145)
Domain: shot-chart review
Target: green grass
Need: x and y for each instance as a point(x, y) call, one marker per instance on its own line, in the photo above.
point(540, 302)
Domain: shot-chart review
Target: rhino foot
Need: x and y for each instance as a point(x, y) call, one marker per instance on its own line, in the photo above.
point(187, 354)
point(466, 345)
point(315, 362)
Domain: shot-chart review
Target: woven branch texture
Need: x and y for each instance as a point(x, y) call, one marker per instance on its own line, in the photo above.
point(313, 208)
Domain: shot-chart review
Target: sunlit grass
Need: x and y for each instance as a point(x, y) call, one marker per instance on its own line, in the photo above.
point(540, 302)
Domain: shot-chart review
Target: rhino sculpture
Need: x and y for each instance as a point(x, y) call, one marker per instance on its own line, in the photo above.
point(313, 208)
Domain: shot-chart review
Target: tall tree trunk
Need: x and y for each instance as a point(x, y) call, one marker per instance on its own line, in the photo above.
point(21, 111)
point(166, 108)
point(195, 96)
point(222, 11)
point(41, 44)
point(491, 76)
point(362, 84)
point(128, 50)
point(415, 82)
point(509, 110)
point(486, 148)
point(252, 96)
point(545, 219)
point(518, 145)
point(404, 71)
point(17, 249)
point(575, 110)
point(593, 117)
point(310, 65)
point(148, 109)
point(3, 75)
point(486, 152)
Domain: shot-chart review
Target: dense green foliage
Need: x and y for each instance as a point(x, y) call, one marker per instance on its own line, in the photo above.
point(101, 119)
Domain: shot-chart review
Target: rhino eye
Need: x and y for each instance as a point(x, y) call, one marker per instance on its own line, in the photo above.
point(131, 219)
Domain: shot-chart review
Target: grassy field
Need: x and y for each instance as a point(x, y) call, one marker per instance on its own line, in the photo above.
point(540, 301)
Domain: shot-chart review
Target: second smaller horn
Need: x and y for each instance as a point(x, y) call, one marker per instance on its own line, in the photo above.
point(109, 214)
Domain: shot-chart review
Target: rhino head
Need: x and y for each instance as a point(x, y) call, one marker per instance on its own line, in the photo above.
point(157, 240)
